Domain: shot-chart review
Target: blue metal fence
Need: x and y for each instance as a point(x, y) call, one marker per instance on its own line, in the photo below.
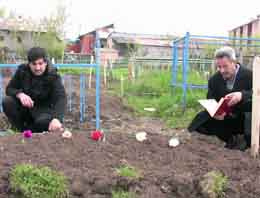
point(68, 79)
point(182, 56)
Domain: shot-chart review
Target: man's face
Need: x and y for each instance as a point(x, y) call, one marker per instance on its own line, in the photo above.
point(38, 67)
point(226, 67)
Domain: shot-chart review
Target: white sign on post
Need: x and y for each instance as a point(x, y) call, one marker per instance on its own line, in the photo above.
point(255, 108)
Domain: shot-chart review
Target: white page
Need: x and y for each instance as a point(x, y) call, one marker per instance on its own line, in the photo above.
point(210, 105)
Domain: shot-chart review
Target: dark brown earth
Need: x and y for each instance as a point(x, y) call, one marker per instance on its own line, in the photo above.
point(165, 172)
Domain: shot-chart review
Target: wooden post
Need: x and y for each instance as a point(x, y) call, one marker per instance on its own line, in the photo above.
point(90, 78)
point(122, 85)
point(105, 74)
point(130, 71)
point(255, 108)
point(90, 72)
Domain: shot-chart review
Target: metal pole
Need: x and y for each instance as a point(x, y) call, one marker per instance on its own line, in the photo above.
point(97, 81)
point(175, 63)
point(1, 91)
point(82, 97)
point(185, 68)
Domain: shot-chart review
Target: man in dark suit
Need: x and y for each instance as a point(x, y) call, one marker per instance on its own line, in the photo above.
point(235, 82)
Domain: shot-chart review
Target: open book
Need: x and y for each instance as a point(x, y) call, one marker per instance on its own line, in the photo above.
point(216, 108)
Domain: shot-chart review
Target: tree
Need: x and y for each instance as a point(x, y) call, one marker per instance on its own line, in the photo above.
point(2, 12)
point(55, 27)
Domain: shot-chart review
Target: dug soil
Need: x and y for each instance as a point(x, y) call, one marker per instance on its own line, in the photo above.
point(165, 172)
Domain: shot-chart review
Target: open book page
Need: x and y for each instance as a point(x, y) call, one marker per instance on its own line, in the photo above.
point(211, 105)
point(214, 107)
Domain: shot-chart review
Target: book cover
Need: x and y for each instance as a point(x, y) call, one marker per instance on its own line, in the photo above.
point(216, 108)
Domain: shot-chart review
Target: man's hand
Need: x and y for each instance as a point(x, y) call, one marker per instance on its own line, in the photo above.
point(234, 97)
point(25, 100)
point(220, 117)
point(55, 126)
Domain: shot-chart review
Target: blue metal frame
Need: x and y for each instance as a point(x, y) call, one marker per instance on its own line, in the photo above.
point(82, 84)
point(185, 67)
point(97, 82)
point(82, 97)
point(1, 92)
point(175, 62)
point(224, 37)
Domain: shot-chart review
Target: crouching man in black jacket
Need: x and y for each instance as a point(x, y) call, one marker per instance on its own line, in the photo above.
point(35, 98)
point(234, 81)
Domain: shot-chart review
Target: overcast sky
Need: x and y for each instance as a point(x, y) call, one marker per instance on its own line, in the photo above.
point(206, 17)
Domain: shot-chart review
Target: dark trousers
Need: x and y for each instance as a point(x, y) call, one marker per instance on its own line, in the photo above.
point(224, 129)
point(23, 118)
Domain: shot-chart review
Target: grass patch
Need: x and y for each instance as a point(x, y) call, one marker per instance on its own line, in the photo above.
point(128, 171)
point(33, 182)
point(220, 184)
point(153, 89)
point(123, 194)
point(214, 184)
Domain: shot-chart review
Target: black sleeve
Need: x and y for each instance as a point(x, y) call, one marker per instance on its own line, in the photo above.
point(247, 94)
point(210, 94)
point(59, 98)
point(14, 85)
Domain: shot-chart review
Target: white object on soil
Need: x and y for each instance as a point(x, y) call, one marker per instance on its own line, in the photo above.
point(150, 109)
point(66, 134)
point(173, 142)
point(141, 136)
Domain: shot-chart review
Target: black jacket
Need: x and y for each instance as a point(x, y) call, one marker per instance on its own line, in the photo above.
point(47, 90)
point(217, 89)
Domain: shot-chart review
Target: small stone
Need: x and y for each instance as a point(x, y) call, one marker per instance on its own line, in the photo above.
point(66, 134)
point(173, 142)
point(78, 188)
point(141, 136)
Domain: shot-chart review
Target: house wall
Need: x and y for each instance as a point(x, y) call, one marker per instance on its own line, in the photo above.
point(255, 30)
point(87, 44)
point(16, 40)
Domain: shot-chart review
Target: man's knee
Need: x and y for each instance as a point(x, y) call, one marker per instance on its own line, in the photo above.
point(9, 103)
point(41, 123)
point(247, 126)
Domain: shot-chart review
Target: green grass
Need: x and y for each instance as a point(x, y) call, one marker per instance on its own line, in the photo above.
point(215, 183)
point(74, 71)
point(220, 184)
point(33, 182)
point(123, 194)
point(153, 89)
point(115, 73)
point(127, 171)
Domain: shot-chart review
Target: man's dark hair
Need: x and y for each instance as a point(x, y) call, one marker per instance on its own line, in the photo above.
point(36, 53)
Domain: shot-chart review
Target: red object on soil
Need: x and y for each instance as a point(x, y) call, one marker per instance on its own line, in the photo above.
point(96, 135)
point(27, 134)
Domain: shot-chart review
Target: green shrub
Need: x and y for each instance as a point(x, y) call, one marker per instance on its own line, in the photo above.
point(123, 194)
point(127, 171)
point(34, 182)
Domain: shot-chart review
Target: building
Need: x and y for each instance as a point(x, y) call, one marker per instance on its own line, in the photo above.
point(143, 45)
point(116, 45)
point(17, 36)
point(250, 29)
